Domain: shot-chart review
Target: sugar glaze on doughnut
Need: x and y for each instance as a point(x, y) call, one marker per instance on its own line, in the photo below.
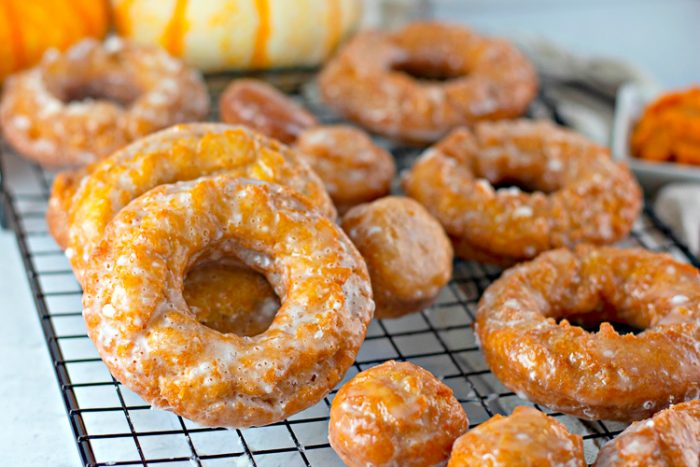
point(148, 337)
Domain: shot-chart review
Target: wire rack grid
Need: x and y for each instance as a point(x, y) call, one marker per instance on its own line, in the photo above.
point(113, 426)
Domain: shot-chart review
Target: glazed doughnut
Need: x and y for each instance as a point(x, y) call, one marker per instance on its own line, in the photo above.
point(670, 438)
point(395, 414)
point(150, 340)
point(595, 375)
point(353, 168)
point(183, 152)
point(580, 195)
point(408, 255)
point(230, 297)
point(263, 108)
point(81, 105)
point(370, 82)
point(527, 437)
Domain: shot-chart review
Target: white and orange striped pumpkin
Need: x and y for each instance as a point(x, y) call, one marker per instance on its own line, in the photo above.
point(240, 34)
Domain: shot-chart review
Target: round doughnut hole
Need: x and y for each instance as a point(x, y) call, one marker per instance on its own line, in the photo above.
point(247, 309)
point(428, 71)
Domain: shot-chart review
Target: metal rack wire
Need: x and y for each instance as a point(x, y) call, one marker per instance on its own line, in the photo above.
point(113, 426)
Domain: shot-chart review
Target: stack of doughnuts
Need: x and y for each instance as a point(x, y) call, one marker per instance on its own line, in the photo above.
point(230, 270)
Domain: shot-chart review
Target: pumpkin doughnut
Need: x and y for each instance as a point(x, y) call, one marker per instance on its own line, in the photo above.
point(183, 152)
point(595, 375)
point(81, 105)
point(408, 255)
point(147, 335)
point(370, 81)
point(353, 168)
point(261, 107)
point(395, 414)
point(580, 195)
point(527, 437)
point(229, 297)
point(670, 438)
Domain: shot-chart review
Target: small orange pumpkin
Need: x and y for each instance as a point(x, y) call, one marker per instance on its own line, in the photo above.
point(28, 28)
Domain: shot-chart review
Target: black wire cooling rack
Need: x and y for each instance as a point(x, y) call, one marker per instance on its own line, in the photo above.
point(113, 426)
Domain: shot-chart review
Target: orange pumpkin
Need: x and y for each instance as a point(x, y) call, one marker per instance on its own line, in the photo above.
point(28, 28)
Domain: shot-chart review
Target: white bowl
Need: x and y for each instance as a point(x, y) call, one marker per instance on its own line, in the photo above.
point(631, 102)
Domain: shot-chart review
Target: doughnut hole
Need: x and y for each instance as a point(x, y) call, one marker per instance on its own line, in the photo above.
point(408, 255)
point(265, 109)
point(395, 414)
point(352, 167)
point(247, 308)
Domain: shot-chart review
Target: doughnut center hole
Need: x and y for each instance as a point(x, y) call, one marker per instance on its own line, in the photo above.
point(510, 184)
point(120, 92)
point(590, 322)
point(428, 71)
point(230, 297)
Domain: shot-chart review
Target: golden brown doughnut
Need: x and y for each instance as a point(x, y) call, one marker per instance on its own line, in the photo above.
point(83, 104)
point(263, 108)
point(395, 414)
point(183, 152)
point(671, 438)
point(408, 255)
point(525, 438)
point(353, 168)
point(150, 340)
point(580, 195)
point(370, 81)
point(595, 375)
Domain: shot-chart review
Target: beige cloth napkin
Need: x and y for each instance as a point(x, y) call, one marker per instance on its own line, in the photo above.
point(678, 205)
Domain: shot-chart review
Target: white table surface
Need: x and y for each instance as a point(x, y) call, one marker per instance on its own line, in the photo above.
point(34, 429)
point(656, 35)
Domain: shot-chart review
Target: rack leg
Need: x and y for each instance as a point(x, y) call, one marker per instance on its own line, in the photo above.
point(4, 222)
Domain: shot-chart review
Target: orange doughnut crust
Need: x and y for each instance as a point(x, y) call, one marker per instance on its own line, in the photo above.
point(669, 129)
point(527, 438)
point(395, 414)
point(230, 297)
point(65, 184)
point(580, 195)
point(149, 338)
point(369, 80)
point(83, 104)
point(183, 152)
point(595, 375)
point(408, 255)
point(671, 438)
point(263, 108)
point(353, 168)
